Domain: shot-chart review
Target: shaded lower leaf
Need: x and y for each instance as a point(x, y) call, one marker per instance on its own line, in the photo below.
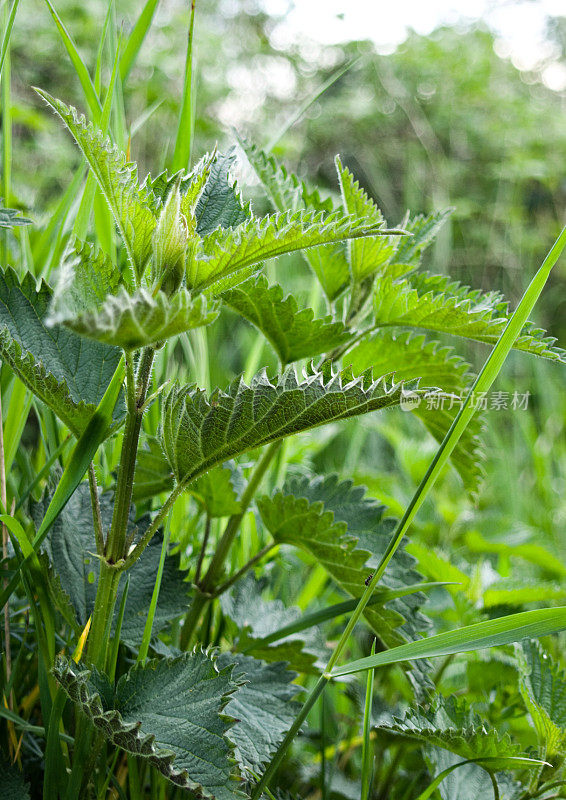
point(71, 548)
point(170, 712)
point(12, 781)
point(261, 707)
point(66, 372)
point(256, 618)
point(347, 533)
point(451, 724)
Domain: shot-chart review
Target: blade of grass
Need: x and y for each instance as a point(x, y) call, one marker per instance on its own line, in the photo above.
point(367, 749)
point(490, 633)
point(483, 382)
point(136, 38)
point(147, 631)
point(83, 74)
point(8, 33)
point(115, 643)
point(306, 104)
point(6, 108)
point(83, 453)
point(184, 138)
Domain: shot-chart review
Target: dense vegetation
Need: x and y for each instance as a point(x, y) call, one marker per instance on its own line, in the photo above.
point(224, 403)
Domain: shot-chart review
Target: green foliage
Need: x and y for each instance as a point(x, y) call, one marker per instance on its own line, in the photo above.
point(65, 372)
point(14, 785)
point(450, 724)
point(169, 712)
point(200, 432)
point(71, 548)
point(10, 218)
point(346, 533)
point(543, 688)
point(261, 706)
point(293, 334)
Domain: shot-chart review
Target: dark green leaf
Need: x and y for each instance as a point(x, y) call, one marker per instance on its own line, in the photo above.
point(261, 707)
point(347, 533)
point(543, 686)
point(169, 712)
point(13, 783)
point(68, 373)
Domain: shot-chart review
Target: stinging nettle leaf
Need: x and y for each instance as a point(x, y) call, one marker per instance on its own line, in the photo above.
point(257, 618)
point(287, 193)
point(542, 682)
point(434, 303)
point(199, 432)
point(227, 252)
point(169, 712)
point(347, 532)
point(412, 356)
point(449, 723)
point(13, 783)
point(67, 373)
point(219, 203)
point(293, 334)
point(130, 204)
point(262, 707)
point(71, 548)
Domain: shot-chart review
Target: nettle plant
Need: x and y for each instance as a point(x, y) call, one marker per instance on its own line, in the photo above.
point(94, 568)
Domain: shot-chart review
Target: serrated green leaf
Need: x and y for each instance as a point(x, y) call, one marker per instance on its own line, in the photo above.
point(66, 372)
point(14, 785)
point(347, 533)
point(261, 707)
point(130, 204)
point(287, 193)
point(169, 712)
point(228, 251)
point(199, 432)
point(366, 256)
point(218, 490)
point(72, 551)
point(256, 618)
point(543, 686)
point(219, 204)
point(424, 230)
point(444, 307)
point(294, 334)
point(134, 321)
point(10, 218)
point(450, 724)
point(412, 356)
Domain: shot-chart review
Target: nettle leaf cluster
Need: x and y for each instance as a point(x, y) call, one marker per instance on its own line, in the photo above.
point(210, 721)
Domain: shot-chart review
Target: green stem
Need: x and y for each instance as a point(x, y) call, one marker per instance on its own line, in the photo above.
point(102, 615)
point(242, 571)
point(208, 583)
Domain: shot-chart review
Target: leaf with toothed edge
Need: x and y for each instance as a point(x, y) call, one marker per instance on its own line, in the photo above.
point(347, 533)
point(412, 356)
point(198, 432)
point(256, 618)
point(130, 204)
point(134, 321)
point(293, 334)
point(226, 252)
point(449, 723)
point(435, 303)
point(10, 218)
point(169, 712)
point(542, 682)
point(262, 706)
point(66, 372)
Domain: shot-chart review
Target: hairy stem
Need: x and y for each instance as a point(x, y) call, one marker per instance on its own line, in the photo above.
point(208, 583)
